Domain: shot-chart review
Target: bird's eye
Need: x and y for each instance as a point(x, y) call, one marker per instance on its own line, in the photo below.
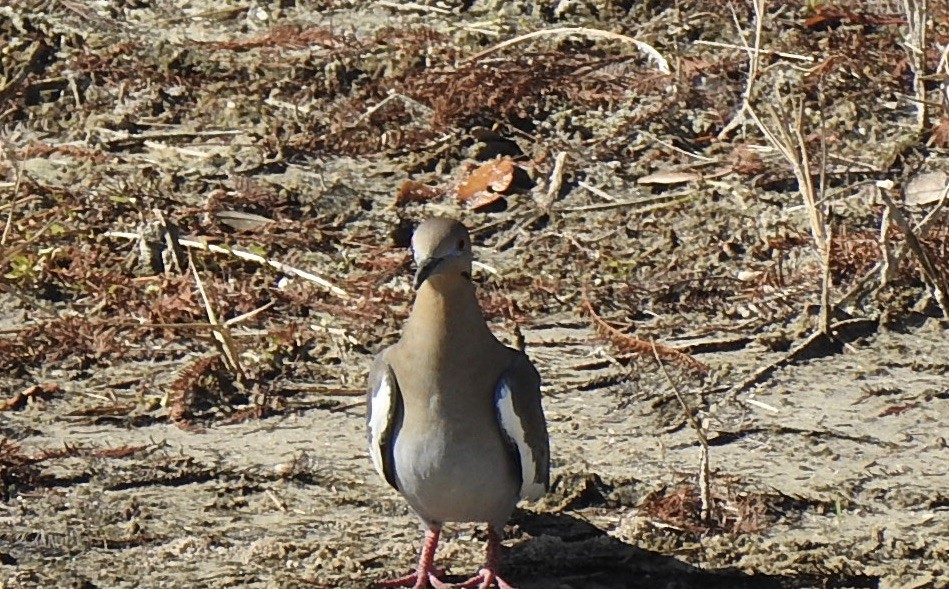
point(461, 244)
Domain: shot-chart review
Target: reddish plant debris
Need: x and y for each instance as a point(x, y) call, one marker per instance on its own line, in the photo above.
point(852, 253)
point(412, 191)
point(745, 160)
point(19, 471)
point(188, 387)
point(829, 17)
point(291, 36)
point(732, 512)
point(497, 303)
point(486, 184)
point(638, 346)
point(41, 149)
point(246, 414)
point(39, 391)
point(120, 452)
point(940, 133)
point(898, 409)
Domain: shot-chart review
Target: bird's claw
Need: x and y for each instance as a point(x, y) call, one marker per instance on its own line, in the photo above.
point(485, 579)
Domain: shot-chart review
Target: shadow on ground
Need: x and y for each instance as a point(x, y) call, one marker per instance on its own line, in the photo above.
point(568, 552)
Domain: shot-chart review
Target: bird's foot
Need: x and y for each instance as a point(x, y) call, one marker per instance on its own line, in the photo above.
point(425, 574)
point(417, 581)
point(485, 579)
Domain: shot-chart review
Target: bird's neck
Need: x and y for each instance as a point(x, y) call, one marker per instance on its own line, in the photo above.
point(446, 316)
point(446, 342)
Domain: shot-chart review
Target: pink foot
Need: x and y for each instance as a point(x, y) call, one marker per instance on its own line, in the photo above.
point(415, 582)
point(487, 577)
point(426, 574)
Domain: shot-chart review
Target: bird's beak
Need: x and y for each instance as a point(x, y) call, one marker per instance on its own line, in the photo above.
point(425, 269)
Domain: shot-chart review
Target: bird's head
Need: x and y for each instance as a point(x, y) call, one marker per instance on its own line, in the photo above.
point(441, 246)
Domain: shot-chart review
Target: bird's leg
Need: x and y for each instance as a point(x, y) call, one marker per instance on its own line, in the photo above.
point(488, 577)
point(426, 573)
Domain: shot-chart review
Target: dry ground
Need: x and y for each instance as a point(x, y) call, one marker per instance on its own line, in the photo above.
point(146, 145)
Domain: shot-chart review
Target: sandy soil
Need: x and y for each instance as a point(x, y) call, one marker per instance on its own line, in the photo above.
point(133, 455)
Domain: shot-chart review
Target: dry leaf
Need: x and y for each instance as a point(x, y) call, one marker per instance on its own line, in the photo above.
point(744, 160)
point(241, 221)
point(485, 184)
point(940, 135)
point(669, 178)
point(926, 188)
point(412, 191)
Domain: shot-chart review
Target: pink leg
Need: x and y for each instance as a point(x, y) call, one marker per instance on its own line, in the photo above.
point(488, 577)
point(426, 572)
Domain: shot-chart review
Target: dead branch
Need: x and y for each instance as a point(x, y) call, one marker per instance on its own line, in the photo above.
point(825, 283)
point(412, 7)
point(759, 51)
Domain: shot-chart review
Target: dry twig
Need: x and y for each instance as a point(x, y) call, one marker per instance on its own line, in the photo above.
point(222, 335)
point(935, 276)
point(917, 14)
point(661, 63)
point(18, 171)
point(249, 256)
point(556, 182)
point(807, 348)
point(754, 53)
point(790, 143)
point(891, 260)
point(704, 474)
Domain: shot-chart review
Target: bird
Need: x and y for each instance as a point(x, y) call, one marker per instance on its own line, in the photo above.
point(455, 420)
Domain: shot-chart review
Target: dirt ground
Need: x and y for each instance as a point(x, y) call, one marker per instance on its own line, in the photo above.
point(176, 175)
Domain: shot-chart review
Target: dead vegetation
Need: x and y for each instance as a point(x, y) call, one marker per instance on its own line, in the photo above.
point(235, 200)
point(731, 510)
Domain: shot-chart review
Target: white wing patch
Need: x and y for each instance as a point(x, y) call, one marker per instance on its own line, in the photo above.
point(512, 426)
point(380, 408)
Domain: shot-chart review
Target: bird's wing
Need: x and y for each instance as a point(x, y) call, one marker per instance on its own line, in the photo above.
point(383, 417)
point(518, 407)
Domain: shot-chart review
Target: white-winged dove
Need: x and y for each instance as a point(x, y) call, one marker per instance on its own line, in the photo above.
point(455, 419)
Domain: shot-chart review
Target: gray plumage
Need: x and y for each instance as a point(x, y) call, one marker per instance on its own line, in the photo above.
point(455, 418)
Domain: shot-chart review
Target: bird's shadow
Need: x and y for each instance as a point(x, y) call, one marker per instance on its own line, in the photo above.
point(567, 552)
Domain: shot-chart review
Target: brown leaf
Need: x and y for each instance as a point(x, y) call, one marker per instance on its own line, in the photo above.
point(412, 191)
point(746, 161)
point(485, 184)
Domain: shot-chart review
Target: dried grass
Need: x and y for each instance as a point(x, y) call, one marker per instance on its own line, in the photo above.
point(732, 511)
